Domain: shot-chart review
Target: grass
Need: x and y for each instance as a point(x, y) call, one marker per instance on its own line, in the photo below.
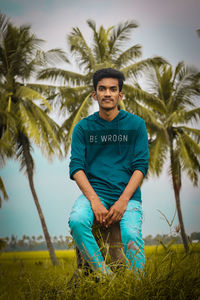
point(169, 274)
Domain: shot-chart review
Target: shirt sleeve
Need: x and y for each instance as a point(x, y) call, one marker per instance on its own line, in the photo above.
point(77, 159)
point(141, 150)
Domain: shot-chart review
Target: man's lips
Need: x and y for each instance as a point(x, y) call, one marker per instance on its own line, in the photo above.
point(107, 100)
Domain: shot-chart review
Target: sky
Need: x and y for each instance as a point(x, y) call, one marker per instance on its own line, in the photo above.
point(166, 28)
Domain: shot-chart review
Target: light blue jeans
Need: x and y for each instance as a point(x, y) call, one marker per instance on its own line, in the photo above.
point(81, 221)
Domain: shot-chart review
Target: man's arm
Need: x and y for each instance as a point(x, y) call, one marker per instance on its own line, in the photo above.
point(77, 173)
point(98, 208)
point(117, 210)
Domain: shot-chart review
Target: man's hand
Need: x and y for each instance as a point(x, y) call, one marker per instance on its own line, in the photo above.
point(99, 211)
point(98, 208)
point(116, 212)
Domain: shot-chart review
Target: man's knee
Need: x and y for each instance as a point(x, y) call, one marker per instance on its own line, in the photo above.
point(132, 237)
point(78, 221)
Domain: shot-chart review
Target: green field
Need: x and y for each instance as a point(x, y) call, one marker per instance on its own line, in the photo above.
point(169, 274)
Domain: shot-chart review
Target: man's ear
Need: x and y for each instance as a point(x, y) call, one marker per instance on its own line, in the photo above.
point(94, 95)
point(120, 96)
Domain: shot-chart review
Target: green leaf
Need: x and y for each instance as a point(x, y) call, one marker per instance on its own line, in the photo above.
point(30, 94)
point(75, 121)
point(3, 191)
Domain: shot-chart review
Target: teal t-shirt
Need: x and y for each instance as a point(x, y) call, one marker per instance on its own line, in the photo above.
point(109, 152)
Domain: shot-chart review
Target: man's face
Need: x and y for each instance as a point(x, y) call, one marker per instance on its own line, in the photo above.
point(107, 93)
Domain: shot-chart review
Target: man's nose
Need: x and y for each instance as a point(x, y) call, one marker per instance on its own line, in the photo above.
point(107, 93)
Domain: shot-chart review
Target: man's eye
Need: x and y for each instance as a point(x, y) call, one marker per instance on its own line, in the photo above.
point(113, 89)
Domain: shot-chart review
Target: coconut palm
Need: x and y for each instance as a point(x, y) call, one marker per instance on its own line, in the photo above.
point(106, 50)
point(170, 128)
point(25, 121)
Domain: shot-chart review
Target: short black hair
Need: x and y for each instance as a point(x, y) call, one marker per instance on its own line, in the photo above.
point(108, 73)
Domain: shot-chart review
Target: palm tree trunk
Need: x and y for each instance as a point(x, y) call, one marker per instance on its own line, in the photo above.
point(180, 217)
point(42, 220)
point(176, 179)
point(29, 169)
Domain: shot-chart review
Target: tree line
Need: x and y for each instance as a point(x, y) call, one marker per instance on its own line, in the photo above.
point(33, 243)
point(166, 97)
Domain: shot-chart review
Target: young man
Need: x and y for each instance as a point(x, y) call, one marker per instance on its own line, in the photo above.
point(109, 158)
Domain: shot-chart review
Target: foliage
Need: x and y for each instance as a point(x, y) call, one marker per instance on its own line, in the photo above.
point(23, 109)
point(171, 131)
point(105, 50)
point(2, 244)
point(178, 92)
point(168, 275)
point(3, 191)
point(27, 243)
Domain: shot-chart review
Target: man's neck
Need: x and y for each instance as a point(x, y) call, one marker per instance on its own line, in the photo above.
point(108, 115)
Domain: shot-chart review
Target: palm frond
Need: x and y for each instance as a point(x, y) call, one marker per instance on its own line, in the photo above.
point(55, 56)
point(177, 70)
point(100, 47)
point(136, 68)
point(184, 97)
point(8, 132)
point(148, 99)
point(158, 151)
point(150, 117)
point(3, 192)
point(79, 46)
point(173, 118)
point(49, 132)
point(39, 128)
point(119, 34)
point(186, 86)
point(189, 158)
point(72, 98)
point(75, 121)
point(188, 140)
point(128, 56)
point(20, 46)
point(62, 75)
point(28, 125)
point(187, 74)
point(27, 93)
point(193, 114)
point(4, 21)
point(122, 105)
point(165, 88)
point(92, 25)
point(48, 91)
point(192, 131)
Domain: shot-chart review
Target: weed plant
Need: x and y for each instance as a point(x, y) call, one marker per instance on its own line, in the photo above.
point(169, 274)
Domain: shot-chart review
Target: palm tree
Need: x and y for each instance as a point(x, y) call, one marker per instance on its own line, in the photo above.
point(107, 50)
point(25, 122)
point(170, 128)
